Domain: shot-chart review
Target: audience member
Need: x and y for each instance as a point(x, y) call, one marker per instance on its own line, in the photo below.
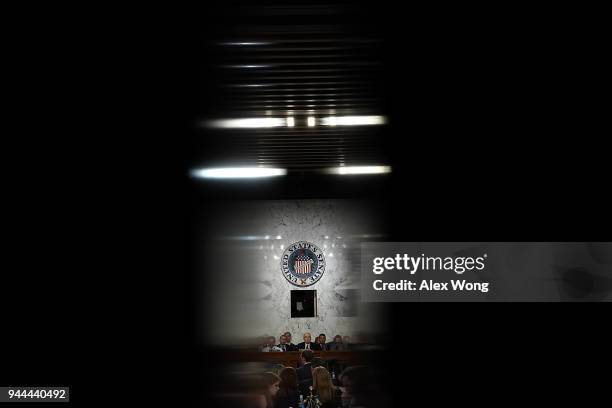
point(306, 383)
point(287, 395)
point(268, 388)
point(357, 388)
point(326, 392)
point(304, 371)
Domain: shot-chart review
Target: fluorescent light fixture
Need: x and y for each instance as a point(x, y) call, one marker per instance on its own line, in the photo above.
point(251, 238)
point(245, 43)
point(353, 120)
point(350, 170)
point(290, 122)
point(249, 66)
point(311, 121)
point(246, 123)
point(249, 85)
point(238, 172)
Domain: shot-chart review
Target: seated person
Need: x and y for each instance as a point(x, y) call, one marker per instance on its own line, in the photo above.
point(271, 345)
point(307, 345)
point(282, 343)
point(290, 345)
point(337, 344)
point(322, 340)
point(304, 372)
point(306, 383)
point(358, 389)
point(345, 341)
point(268, 388)
point(287, 395)
point(322, 387)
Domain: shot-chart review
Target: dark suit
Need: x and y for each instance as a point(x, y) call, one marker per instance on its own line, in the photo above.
point(336, 401)
point(288, 347)
point(291, 347)
point(333, 346)
point(304, 386)
point(313, 346)
point(304, 372)
point(287, 398)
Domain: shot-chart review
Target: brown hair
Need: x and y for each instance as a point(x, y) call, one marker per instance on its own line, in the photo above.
point(268, 379)
point(288, 381)
point(322, 384)
point(307, 355)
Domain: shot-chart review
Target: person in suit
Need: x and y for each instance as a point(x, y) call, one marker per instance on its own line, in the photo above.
point(306, 383)
point(307, 344)
point(287, 395)
point(271, 345)
point(347, 344)
point(336, 345)
point(282, 342)
point(322, 338)
point(290, 346)
point(304, 372)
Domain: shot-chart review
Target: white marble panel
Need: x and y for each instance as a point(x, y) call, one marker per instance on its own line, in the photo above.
point(253, 298)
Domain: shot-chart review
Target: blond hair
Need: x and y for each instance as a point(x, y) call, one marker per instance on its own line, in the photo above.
point(322, 384)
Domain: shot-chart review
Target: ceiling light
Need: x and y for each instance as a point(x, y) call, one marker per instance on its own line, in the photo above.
point(353, 120)
point(238, 172)
point(246, 123)
point(350, 170)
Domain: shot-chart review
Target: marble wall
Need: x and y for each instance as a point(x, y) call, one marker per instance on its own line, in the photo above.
point(249, 296)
